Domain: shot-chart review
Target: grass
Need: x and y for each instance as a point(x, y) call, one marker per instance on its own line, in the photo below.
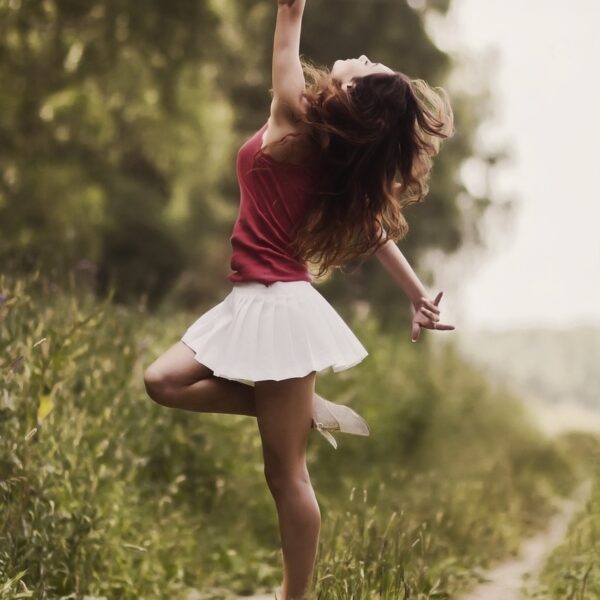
point(105, 494)
point(572, 572)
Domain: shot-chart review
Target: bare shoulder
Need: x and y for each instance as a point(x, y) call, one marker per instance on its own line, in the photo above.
point(285, 120)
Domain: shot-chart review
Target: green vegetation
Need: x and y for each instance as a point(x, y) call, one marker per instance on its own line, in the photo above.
point(572, 571)
point(104, 493)
point(120, 127)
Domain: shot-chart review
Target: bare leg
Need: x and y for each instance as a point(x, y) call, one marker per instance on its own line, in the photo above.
point(284, 411)
point(177, 380)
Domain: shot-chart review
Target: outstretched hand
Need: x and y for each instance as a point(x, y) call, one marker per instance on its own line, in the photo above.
point(427, 315)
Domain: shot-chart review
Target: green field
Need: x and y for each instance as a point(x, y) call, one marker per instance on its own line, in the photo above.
point(104, 493)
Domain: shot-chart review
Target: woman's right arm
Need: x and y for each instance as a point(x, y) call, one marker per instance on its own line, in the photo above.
point(395, 263)
point(287, 75)
point(425, 311)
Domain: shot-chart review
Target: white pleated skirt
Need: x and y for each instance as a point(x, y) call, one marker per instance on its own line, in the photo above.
point(283, 330)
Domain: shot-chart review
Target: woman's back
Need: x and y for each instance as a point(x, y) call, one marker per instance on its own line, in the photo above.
point(273, 197)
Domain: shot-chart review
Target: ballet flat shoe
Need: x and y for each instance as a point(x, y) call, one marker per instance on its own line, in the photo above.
point(329, 416)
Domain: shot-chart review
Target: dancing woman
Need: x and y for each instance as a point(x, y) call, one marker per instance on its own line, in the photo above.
point(323, 181)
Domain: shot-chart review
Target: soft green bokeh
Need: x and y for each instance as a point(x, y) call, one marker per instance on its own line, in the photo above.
point(119, 127)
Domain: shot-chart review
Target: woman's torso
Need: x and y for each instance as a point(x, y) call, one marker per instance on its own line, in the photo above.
point(274, 195)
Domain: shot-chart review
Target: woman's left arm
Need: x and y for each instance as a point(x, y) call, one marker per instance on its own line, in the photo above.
point(425, 311)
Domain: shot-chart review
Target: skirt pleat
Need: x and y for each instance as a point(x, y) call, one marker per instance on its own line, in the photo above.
point(303, 337)
point(284, 330)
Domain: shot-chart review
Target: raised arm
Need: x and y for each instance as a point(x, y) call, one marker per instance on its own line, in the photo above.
point(287, 75)
point(425, 311)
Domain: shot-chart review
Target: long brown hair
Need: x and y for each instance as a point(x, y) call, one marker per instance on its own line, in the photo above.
point(374, 146)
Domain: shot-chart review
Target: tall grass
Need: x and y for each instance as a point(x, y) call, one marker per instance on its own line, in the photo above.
point(105, 494)
point(572, 572)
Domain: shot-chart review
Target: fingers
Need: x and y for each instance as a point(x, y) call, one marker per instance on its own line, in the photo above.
point(439, 326)
point(428, 309)
point(414, 334)
point(416, 328)
point(434, 324)
point(430, 305)
point(432, 315)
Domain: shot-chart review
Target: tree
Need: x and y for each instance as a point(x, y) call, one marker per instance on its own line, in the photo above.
point(120, 128)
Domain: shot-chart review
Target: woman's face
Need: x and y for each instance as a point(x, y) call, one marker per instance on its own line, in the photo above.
point(346, 70)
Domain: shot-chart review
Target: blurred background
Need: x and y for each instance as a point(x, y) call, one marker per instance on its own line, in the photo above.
point(119, 127)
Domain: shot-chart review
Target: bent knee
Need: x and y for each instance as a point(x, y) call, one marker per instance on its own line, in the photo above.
point(156, 383)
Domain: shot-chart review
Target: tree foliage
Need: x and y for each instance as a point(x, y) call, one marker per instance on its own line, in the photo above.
point(119, 126)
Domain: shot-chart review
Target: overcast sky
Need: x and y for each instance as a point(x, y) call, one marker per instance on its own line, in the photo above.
point(546, 269)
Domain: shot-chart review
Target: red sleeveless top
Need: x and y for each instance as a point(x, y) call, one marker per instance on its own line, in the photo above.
point(273, 196)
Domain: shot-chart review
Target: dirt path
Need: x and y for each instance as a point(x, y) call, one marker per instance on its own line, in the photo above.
point(506, 581)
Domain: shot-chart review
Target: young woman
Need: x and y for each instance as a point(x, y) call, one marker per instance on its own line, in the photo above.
point(323, 181)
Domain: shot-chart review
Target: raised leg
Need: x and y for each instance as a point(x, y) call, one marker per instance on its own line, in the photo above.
point(177, 380)
point(284, 411)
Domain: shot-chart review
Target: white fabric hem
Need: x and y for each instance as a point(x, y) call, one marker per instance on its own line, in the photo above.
point(252, 379)
point(281, 331)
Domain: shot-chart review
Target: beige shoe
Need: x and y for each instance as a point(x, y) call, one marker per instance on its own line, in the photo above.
point(329, 416)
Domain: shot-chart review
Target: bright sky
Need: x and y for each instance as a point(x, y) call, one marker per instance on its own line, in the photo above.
point(545, 270)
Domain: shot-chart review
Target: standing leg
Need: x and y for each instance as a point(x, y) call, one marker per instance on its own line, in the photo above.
point(177, 380)
point(284, 412)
